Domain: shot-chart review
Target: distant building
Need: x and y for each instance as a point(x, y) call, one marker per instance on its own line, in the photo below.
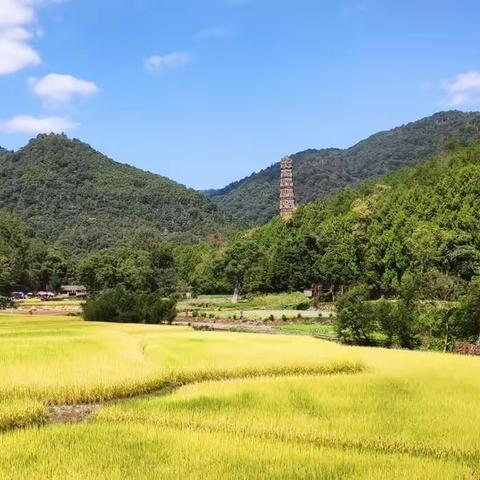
point(73, 290)
point(287, 194)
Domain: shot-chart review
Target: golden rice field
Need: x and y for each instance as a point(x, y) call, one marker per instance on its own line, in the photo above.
point(229, 405)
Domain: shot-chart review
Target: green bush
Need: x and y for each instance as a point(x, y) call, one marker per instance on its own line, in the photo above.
point(302, 306)
point(6, 303)
point(122, 306)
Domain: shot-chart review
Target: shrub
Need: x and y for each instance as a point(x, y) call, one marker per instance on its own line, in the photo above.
point(302, 306)
point(6, 303)
point(122, 306)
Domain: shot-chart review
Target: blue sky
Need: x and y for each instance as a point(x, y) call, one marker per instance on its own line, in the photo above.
point(207, 91)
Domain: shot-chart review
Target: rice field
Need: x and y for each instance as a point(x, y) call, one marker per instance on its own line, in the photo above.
point(229, 405)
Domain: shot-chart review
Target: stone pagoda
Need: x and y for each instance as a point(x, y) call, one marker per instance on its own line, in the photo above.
point(287, 195)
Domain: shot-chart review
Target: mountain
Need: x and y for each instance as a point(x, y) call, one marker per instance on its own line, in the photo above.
point(254, 200)
point(74, 196)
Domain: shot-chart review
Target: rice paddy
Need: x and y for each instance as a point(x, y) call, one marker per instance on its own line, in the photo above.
point(188, 404)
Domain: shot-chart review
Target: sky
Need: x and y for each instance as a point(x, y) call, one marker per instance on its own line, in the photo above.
point(207, 91)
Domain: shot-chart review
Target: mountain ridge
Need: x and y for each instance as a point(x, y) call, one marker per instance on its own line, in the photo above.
point(253, 199)
point(72, 195)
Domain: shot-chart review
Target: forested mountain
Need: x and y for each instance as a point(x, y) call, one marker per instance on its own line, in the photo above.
point(254, 200)
point(73, 196)
point(421, 221)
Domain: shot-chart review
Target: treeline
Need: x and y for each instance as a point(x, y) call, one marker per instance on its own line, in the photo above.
point(26, 262)
point(144, 264)
point(421, 221)
point(409, 323)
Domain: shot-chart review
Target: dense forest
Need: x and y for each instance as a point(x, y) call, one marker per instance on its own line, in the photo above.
point(27, 262)
point(420, 221)
point(254, 200)
point(73, 196)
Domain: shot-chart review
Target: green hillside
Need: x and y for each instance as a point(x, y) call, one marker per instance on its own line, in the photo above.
point(254, 200)
point(421, 221)
point(74, 196)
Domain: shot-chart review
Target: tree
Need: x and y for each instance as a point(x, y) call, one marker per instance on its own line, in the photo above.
point(132, 266)
point(244, 266)
point(355, 318)
point(466, 318)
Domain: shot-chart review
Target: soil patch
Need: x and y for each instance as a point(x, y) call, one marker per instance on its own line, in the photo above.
point(72, 413)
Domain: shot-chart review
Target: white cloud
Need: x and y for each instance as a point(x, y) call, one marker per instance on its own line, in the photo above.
point(17, 18)
point(156, 63)
point(27, 124)
point(464, 89)
point(62, 88)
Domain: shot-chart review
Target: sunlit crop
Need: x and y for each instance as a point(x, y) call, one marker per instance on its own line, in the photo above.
point(224, 405)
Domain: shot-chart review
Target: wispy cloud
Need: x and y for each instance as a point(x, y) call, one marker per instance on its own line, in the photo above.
point(62, 88)
point(464, 89)
point(173, 60)
point(29, 125)
point(17, 28)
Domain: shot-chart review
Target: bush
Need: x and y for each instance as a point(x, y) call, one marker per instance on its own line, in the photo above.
point(6, 303)
point(122, 306)
point(302, 306)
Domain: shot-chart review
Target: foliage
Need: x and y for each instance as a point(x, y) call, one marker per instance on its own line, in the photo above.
point(27, 263)
point(73, 196)
point(142, 267)
point(6, 302)
point(122, 306)
point(420, 221)
point(254, 200)
point(355, 321)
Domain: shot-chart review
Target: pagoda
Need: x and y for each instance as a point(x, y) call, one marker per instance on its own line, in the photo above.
point(287, 194)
